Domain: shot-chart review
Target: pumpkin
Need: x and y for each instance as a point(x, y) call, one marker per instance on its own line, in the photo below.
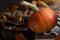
point(43, 20)
point(20, 36)
point(57, 37)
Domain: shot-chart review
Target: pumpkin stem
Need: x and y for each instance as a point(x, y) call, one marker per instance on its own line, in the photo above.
point(29, 5)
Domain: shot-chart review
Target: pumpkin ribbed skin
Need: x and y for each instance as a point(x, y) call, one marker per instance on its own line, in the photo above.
point(43, 20)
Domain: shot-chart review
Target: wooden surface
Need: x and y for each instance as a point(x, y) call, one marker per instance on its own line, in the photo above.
point(45, 36)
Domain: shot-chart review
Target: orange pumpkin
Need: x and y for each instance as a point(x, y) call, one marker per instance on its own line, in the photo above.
point(43, 19)
point(57, 37)
point(20, 36)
